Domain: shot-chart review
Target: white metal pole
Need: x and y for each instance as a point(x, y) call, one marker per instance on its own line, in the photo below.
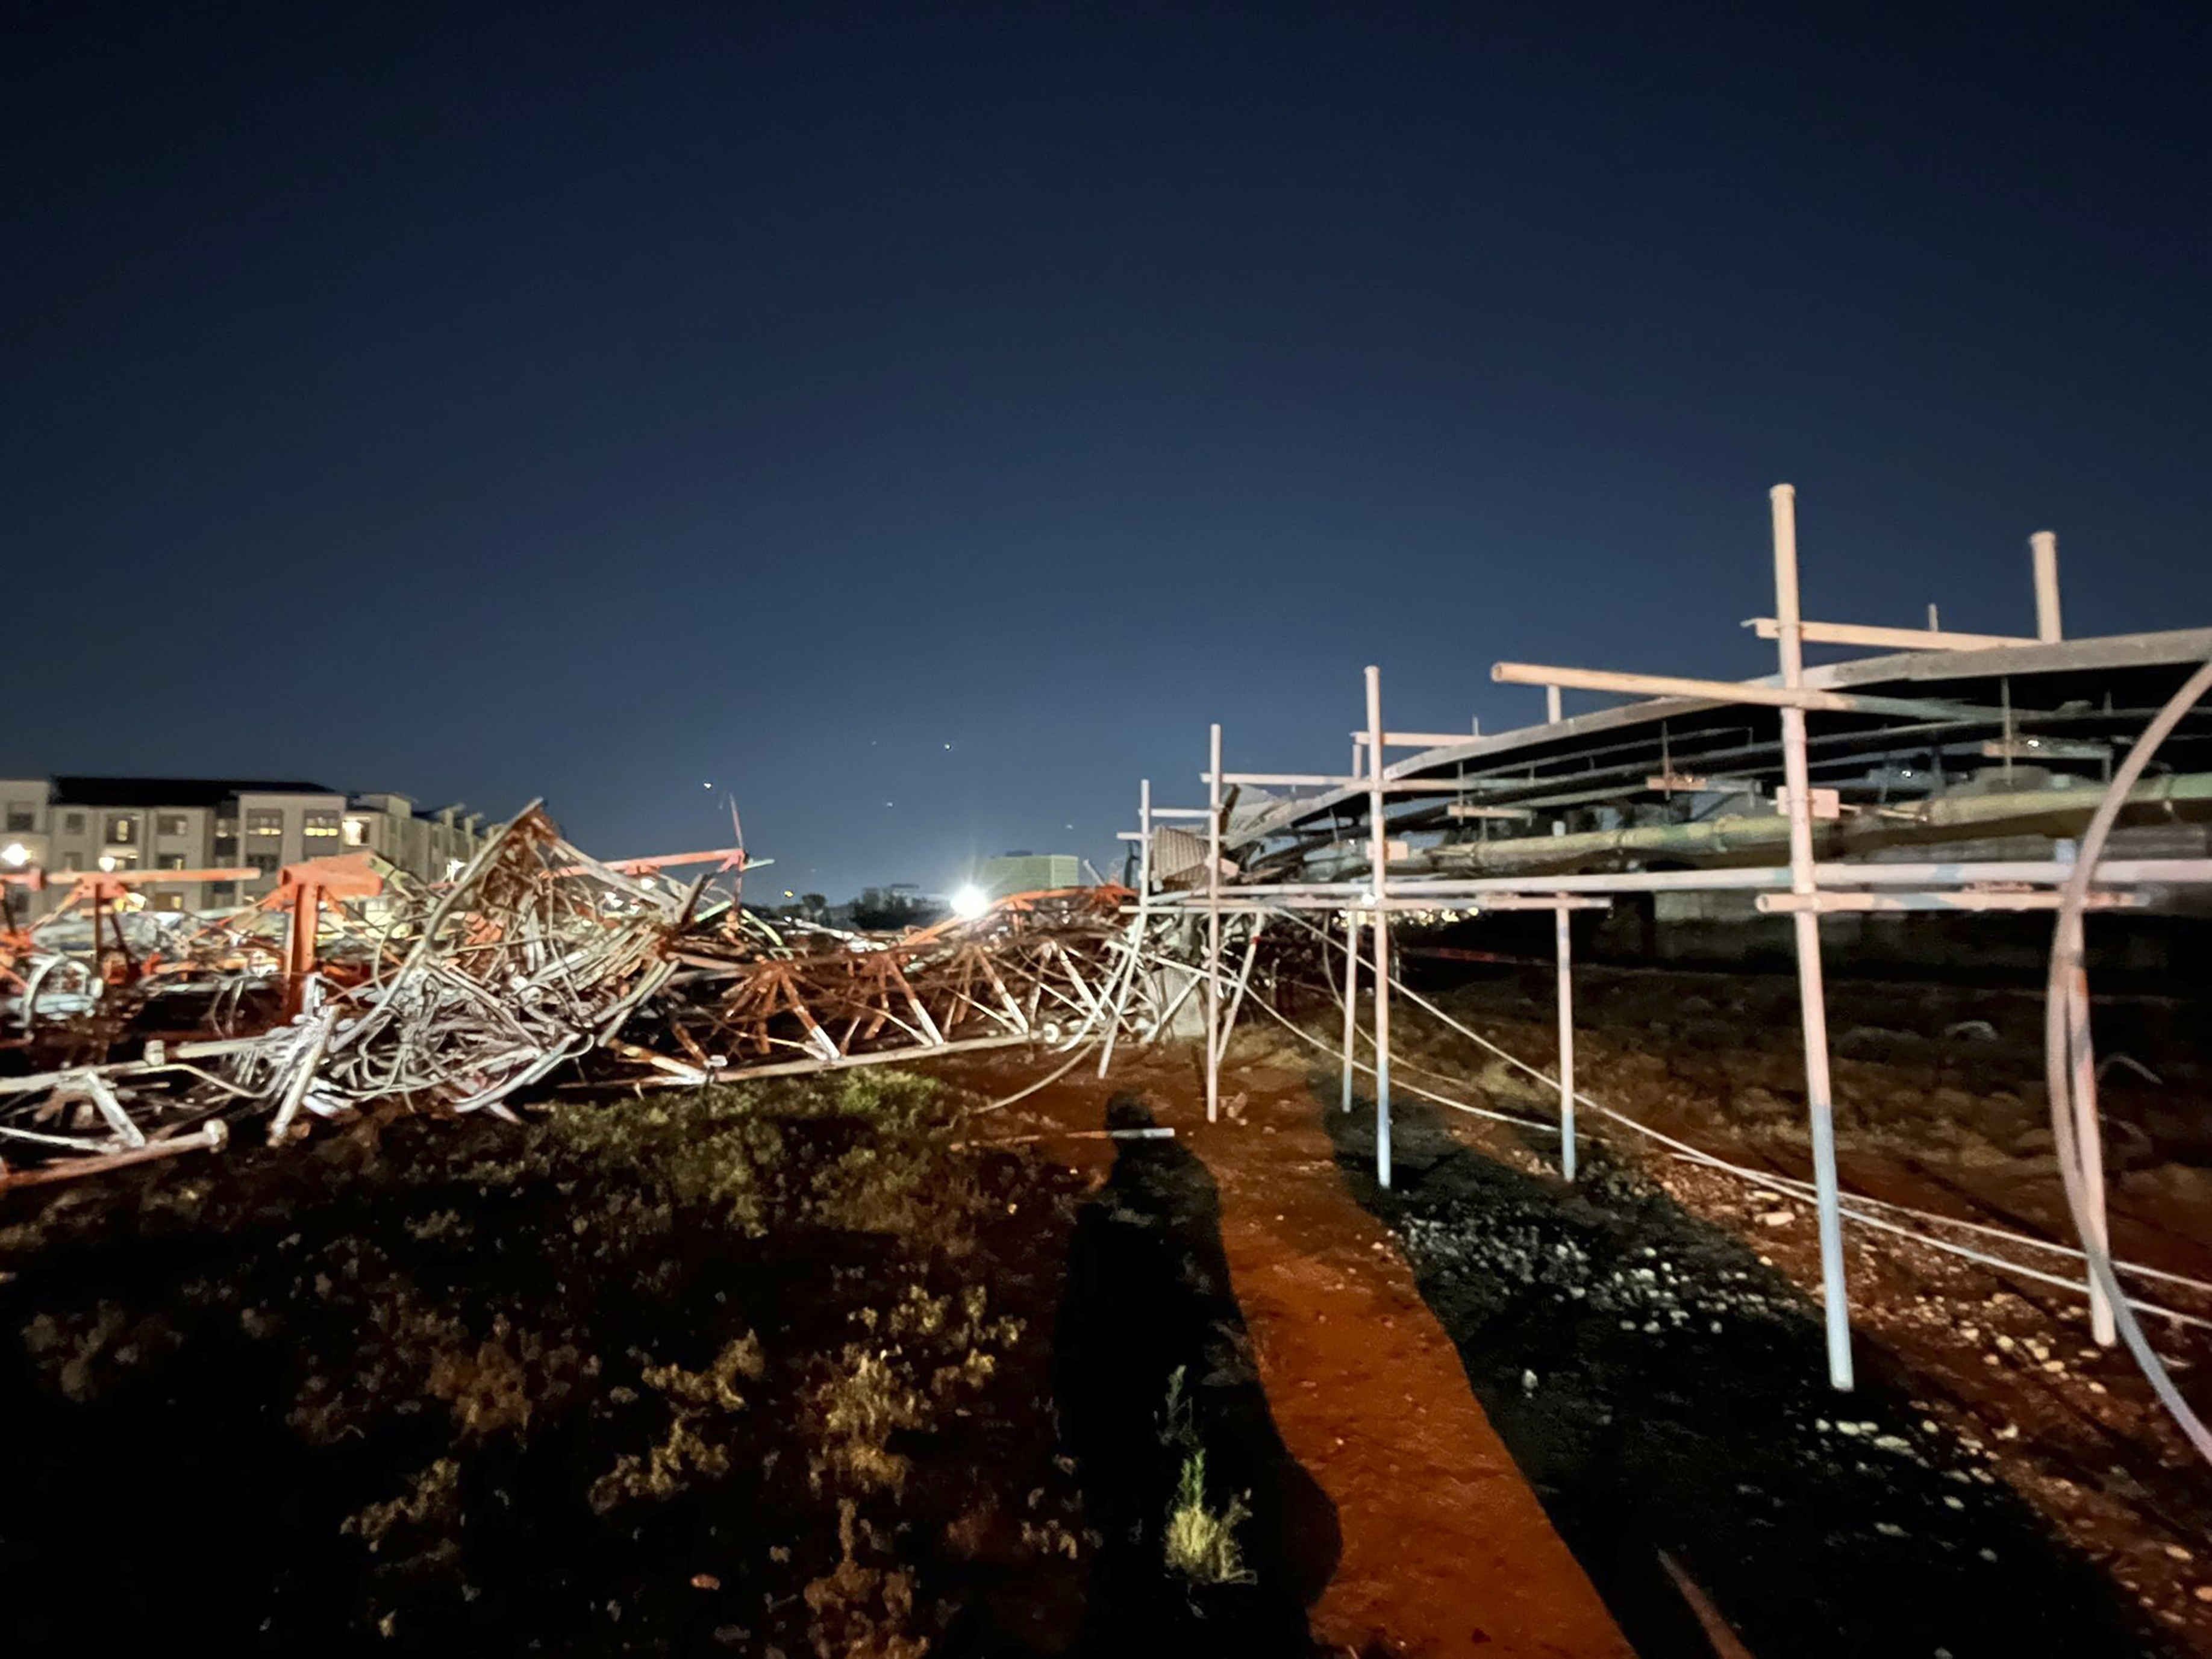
point(1138, 927)
point(2088, 1136)
point(1812, 990)
point(1213, 929)
point(1379, 849)
point(1350, 997)
point(1561, 938)
point(2043, 546)
point(1144, 843)
point(1551, 709)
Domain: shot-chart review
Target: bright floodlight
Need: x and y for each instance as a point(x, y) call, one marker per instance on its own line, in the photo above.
point(15, 855)
point(970, 902)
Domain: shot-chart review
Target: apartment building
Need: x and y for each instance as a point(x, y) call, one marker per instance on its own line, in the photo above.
point(62, 824)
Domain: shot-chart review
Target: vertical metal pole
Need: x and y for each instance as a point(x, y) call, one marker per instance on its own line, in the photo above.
point(1137, 929)
point(2043, 547)
point(1350, 997)
point(1144, 843)
point(1812, 990)
point(1214, 930)
point(1552, 709)
point(2087, 1135)
point(1379, 849)
point(1561, 938)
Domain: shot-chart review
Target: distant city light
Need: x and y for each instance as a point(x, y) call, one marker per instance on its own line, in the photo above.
point(970, 902)
point(14, 855)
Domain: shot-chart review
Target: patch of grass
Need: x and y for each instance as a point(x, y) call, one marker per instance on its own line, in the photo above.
point(1201, 1541)
point(866, 1398)
point(434, 1494)
point(684, 1453)
point(895, 1099)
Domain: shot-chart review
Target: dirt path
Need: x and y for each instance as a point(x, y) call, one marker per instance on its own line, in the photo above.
point(1445, 1549)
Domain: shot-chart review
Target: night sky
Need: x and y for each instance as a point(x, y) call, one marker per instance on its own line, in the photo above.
point(490, 401)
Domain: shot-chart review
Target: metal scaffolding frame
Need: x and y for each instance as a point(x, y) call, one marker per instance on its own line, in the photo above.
point(1805, 887)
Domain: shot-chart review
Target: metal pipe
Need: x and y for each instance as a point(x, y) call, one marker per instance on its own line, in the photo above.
point(1409, 740)
point(1563, 940)
point(1812, 990)
point(1379, 849)
point(2112, 873)
point(1137, 928)
point(2087, 1131)
point(1860, 904)
point(1788, 695)
point(1553, 712)
point(1145, 845)
point(1285, 779)
point(2043, 549)
point(1213, 928)
point(1351, 996)
point(1929, 638)
point(1243, 979)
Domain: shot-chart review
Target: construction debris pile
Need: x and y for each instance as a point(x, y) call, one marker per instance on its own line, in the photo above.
point(145, 1035)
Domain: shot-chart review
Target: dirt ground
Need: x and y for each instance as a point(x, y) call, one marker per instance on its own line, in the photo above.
point(853, 1367)
point(1940, 1105)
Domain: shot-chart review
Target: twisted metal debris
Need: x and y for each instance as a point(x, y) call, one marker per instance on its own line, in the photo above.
point(352, 987)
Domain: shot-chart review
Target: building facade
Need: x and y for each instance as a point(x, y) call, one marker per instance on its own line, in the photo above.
point(1028, 872)
point(67, 824)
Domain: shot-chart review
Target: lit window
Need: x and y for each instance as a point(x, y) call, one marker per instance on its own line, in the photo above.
point(170, 862)
point(356, 832)
point(265, 820)
point(319, 826)
point(122, 829)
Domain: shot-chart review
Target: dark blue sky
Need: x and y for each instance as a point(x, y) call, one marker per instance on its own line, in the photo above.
point(594, 402)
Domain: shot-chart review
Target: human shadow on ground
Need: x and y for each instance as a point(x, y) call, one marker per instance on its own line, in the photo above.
point(1152, 1365)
